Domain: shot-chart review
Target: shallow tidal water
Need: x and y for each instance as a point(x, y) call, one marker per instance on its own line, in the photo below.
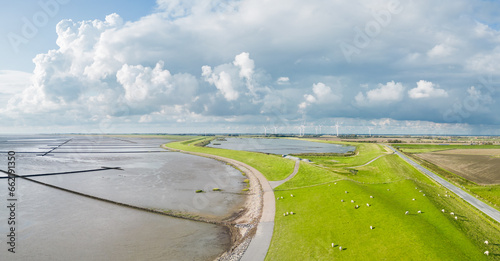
point(56, 225)
point(279, 146)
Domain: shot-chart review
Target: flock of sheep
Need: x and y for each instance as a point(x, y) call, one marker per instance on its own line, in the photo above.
point(368, 205)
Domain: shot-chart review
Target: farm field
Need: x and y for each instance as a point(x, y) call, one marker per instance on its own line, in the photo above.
point(324, 213)
point(475, 168)
point(480, 169)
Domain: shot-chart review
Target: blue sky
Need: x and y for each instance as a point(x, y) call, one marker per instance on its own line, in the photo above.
point(394, 66)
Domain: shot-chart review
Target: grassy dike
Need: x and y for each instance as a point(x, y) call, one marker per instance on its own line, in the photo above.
point(321, 218)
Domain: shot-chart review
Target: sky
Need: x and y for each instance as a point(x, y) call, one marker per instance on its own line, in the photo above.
point(250, 66)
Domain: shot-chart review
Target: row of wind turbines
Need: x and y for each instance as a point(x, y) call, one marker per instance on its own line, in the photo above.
point(302, 129)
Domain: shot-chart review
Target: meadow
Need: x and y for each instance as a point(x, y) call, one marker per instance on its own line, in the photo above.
point(324, 214)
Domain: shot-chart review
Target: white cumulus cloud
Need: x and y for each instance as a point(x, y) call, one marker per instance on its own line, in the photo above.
point(322, 94)
point(390, 92)
point(426, 89)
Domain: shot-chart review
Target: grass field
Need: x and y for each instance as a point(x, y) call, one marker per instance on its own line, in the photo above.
point(322, 219)
point(423, 148)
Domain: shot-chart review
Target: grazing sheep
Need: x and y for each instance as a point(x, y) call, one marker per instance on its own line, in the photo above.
point(424, 195)
point(287, 213)
point(420, 191)
point(371, 196)
point(388, 189)
point(412, 199)
point(452, 213)
point(281, 197)
point(284, 214)
point(367, 204)
point(456, 218)
point(341, 200)
point(487, 252)
point(333, 244)
point(486, 242)
point(415, 187)
point(346, 192)
point(356, 207)
point(371, 227)
point(340, 248)
point(352, 201)
point(407, 212)
point(335, 183)
point(419, 212)
point(442, 210)
point(291, 195)
point(439, 195)
point(291, 213)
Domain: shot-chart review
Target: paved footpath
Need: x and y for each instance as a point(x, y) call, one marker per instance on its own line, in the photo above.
point(274, 184)
point(483, 207)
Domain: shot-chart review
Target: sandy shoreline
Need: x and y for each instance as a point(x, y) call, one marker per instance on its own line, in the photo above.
point(242, 225)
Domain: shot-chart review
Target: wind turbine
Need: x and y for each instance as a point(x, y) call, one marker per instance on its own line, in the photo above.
point(265, 131)
point(370, 130)
point(320, 129)
point(275, 130)
point(337, 127)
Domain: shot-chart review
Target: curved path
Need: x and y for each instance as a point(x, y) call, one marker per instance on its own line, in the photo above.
point(483, 207)
point(257, 250)
point(274, 184)
point(368, 162)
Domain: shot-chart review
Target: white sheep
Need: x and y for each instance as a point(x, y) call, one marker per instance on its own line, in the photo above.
point(420, 191)
point(281, 197)
point(284, 214)
point(340, 248)
point(487, 252)
point(371, 196)
point(415, 187)
point(456, 218)
point(388, 189)
point(413, 199)
point(341, 200)
point(407, 212)
point(333, 244)
point(367, 204)
point(486, 242)
point(346, 192)
point(287, 213)
point(442, 210)
point(424, 195)
point(439, 195)
point(371, 227)
point(451, 213)
point(419, 212)
point(335, 183)
point(352, 201)
point(291, 195)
